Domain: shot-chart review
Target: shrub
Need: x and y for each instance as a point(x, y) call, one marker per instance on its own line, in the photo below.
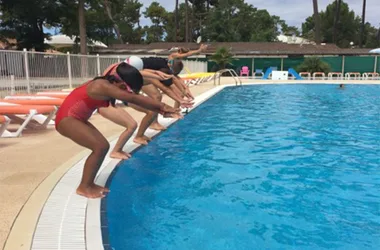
point(314, 64)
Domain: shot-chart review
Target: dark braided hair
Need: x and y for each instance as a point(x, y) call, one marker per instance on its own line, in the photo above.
point(111, 79)
point(131, 76)
point(177, 67)
point(128, 74)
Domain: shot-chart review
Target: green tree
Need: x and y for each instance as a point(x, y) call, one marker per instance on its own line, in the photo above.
point(314, 64)
point(346, 30)
point(289, 30)
point(126, 14)
point(363, 24)
point(317, 22)
point(231, 20)
point(336, 18)
point(24, 20)
point(200, 9)
point(170, 25)
point(176, 21)
point(107, 5)
point(99, 27)
point(219, 27)
point(266, 28)
point(222, 57)
point(158, 16)
point(187, 21)
point(371, 36)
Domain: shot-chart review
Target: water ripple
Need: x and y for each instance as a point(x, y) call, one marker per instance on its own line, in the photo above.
point(262, 167)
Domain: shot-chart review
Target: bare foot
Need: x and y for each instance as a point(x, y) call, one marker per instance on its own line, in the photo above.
point(120, 155)
point(140, 140)
point(157, 126)
point(94, 191)
point(147, 138)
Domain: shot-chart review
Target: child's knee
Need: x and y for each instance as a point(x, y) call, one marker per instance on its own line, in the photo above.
point(133, 126)
point(157, 97)
point(151, 116)
point(102, 147)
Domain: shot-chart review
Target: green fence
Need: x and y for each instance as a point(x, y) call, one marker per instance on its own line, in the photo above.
point(360, 64)
point(292, 62)
point(335, 62)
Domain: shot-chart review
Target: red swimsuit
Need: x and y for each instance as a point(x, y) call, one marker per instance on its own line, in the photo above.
point(79, 105)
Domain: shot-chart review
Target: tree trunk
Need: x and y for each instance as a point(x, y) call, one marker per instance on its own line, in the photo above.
point(192, 24)
point(362, 27)
point(39, 29)
point(83, 39)
point(317, 21)
point(336, 20)
point(82, 28)
point(115, 26)
point(176, 21)
point(187, 21)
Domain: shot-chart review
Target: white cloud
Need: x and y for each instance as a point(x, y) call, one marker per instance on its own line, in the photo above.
point(294, 12)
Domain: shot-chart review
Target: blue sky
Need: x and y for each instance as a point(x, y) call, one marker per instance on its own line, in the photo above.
point(294, 12)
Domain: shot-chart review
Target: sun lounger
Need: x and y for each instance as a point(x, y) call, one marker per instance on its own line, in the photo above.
point(67, 90)
point(60, 94)
point(38, 101)
point(4, 122)
point(24, 114)
point(28, 96)
point(34, 100)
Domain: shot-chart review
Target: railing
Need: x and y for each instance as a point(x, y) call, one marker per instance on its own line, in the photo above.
point(30, 72)
point(233, 74)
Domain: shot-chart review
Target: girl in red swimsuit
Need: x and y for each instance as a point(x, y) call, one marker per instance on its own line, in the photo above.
point(72, 118)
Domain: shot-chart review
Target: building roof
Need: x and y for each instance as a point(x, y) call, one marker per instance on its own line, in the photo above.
point(237, 48)
point(294, 40)
point(64, 41)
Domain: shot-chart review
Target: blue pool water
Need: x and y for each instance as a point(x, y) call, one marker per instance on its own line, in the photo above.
point(257, 167)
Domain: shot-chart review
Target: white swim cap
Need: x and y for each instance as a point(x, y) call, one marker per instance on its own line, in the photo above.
point(135, 61)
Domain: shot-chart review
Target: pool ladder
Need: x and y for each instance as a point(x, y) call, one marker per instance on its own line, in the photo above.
point(233, 74)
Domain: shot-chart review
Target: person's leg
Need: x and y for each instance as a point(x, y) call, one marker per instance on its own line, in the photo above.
point(155, 94)
point(149, 117)
point(122, 118)
point(86, 135)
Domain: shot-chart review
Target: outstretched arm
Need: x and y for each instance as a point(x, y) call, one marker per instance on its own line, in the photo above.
point(183, 87)
point(171, 93)
point(154, 74)
point(190, 53)
point(166, 90)
point(103, 89)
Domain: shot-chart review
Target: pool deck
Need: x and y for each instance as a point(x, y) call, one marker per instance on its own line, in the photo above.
point(29, 178)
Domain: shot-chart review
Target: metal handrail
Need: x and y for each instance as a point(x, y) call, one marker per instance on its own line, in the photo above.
point(233, 74)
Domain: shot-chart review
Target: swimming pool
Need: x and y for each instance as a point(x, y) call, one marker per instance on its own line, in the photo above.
point(256, 167)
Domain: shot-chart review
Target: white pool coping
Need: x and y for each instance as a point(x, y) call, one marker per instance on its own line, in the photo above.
point(69, 221)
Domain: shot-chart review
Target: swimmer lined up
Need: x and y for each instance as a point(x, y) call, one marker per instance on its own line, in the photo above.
point(122, 81)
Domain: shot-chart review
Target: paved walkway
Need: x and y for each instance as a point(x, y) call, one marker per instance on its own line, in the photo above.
point(25, 162)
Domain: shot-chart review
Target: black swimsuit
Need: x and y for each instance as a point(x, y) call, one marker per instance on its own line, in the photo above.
point(158, 63)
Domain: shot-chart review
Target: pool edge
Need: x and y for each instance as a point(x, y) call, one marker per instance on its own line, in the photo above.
point(95, 209)
point(27, 232)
